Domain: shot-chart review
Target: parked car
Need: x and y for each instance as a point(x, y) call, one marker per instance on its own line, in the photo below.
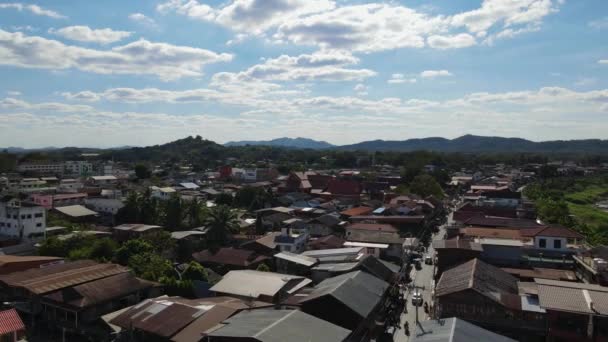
point(428, 260)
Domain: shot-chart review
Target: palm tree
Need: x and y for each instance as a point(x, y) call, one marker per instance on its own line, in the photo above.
point(221, 221)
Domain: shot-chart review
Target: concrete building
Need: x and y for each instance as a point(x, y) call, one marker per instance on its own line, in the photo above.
point(78, 167)
point(41, 168)
point(22, 220)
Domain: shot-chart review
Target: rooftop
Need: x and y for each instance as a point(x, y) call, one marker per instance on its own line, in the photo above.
point(10, 322)
point(76, 211)
point(454, 330)
point(254, 284)
point(573, 297)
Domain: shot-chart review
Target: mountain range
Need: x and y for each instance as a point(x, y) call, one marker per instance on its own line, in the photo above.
point(284, 142)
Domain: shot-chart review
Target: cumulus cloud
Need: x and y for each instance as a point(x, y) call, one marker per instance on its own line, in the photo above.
point(142, 19)
point(34, 9)
point(319, 66)
point(361, 89)
point(86, 34)
point(142, 57)
point(603, 61)
point(400, 78)
point(369, 27)
point(435, 73)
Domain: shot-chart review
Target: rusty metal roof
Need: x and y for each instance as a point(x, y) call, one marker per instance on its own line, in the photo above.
point(98, 291)
point(10, 322)
point(55, 277)
point(483, 278)
point(573, 297)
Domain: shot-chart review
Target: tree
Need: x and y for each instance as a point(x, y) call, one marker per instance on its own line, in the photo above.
point(195, 271)
point(221, 222)
point(150, 266)
point(174, 213)
point(263, 268)
point(103, 249)
point(142, 171)
point(131, 211)
point(426, 185)
point(223, 199)
point(52, 247)
point(131, 248)
point(148, 208)
point(160, 241)
point(195, 213)
point(554, 211)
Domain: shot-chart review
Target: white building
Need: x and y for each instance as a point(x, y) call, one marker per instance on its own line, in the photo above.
point(45, 168)
point(162, 193)
point(22, 220)
point(103, 180)
point(292, 240)
point(108, 206)
point(69, 185)
point(29, 185)
point(78, 167)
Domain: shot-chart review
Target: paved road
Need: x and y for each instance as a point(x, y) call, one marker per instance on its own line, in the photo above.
point(422, 278)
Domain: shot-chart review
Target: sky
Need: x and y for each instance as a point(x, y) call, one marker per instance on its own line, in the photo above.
point(113, 73)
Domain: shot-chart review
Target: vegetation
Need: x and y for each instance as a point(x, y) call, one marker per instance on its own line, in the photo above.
point(220, 222)
point(571, 201)
point(426, 185)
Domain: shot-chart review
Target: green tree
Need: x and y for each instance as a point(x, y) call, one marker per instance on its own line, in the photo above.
point(150, 266)
point(223, 199)
point(52, 247)
point(195, 213)
point(263, 268)
point(142, 171)
point(103, 249)
point(130, 213)
point(426, 185)
point(160, 241)
point(148, 208)
point(195, 271)
point(221, 221)
point(554, 211)
point(131, 248)
point(174, 213)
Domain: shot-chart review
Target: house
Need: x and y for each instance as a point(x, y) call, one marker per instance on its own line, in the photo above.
point(327, 268)
point(292, 240)
point(76, 213)
point(31, 285)
point(454, 330)
point(103, 180)
point(177, 319)
point(162, 193)
point(267, 325)
point(69, 185)
point(12, 263)
point(76, 308)
point(297, 182)
point(264, 245)
point(291, 263)
point(324, 225)
point(189, 235)
point(227, 258)
point(356, 211)
point(344, 189)
point(554, 239)
point(575, 311)
point(11, 326)
point(107, 206)
point(350, 300)
point(326, 242)
point(268, 287)
point(189, 186)
point(488, 297)
point(59, 200)
point(21, 220)
point(134, 230)
point(380, 240)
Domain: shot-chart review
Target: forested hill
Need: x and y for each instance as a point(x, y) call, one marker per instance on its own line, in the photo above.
point(284, 142)
point(473, 143)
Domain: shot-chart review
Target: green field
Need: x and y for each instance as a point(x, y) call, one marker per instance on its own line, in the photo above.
point(582, 205)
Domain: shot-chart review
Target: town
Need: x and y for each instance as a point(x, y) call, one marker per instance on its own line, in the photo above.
point(417, 246)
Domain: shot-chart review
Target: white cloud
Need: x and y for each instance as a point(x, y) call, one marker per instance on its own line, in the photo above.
point(585, 81)
point(457, 41)
point(435, 73)
point(599, 24)
point(400, 78)
point(368, 27)
point(34, 9)
point(13, 93)
point(142, 57)
point(252, 16)
point(12, 103)
point(86, 34)
point(142, 19)
point(361, 89)
point(603, 61)
point(319, 66)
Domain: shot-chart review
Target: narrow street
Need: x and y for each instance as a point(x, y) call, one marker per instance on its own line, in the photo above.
point(424, 280)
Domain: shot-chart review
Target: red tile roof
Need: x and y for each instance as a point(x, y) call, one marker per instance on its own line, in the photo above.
point(10, 322)
point(482, 232)
point(561, 232)
point(344, 187)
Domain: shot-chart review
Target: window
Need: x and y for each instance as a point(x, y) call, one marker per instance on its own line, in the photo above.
point(557, 244)
point(542, 243)
point(38, 224)
point(38, 215)
point(8, 225)
point(29, 216)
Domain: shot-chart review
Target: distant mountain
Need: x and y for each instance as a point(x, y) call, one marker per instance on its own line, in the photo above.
point(473, 143)
point(284, 142)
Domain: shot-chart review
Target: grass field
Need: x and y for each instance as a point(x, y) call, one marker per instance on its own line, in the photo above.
point(582, 205)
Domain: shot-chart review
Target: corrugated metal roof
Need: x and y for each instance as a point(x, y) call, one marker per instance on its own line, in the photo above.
point(573, 297)
point(359, 291)
point(457, 244)
point(76, 211)
point(454, 330)
point(98, 291)
point(55, 277)
point(253, 284)
point(10, 322)
point(279, 326)
point(485, 279)
point(297, 258)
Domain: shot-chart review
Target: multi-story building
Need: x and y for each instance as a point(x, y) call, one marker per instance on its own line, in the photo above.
point(78, 167)
point(292, 240)
point(69, 185)
point(41, 168)
point(22, 220)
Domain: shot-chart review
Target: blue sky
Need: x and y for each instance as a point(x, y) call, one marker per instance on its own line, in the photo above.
point(110, 73)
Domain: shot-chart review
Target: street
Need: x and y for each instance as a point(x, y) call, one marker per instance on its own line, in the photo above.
point(424, 280)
